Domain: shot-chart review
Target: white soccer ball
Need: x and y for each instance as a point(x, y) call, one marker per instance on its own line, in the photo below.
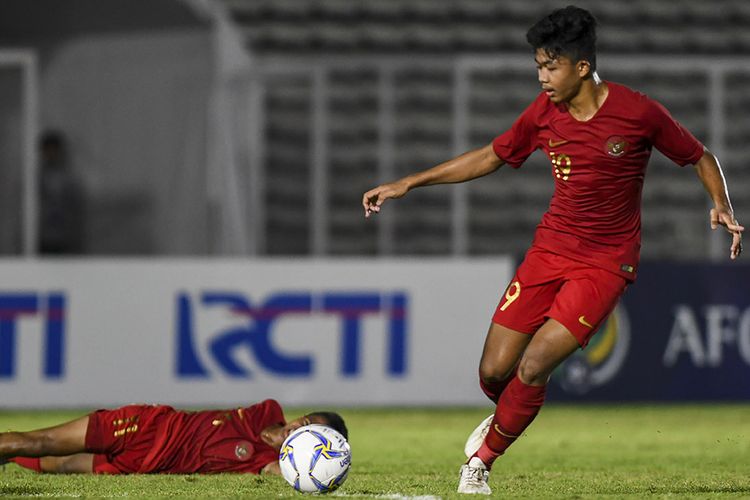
point(315, 459)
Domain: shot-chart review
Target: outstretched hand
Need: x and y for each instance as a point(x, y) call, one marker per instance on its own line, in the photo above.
point(372, 199)
point(724, 217)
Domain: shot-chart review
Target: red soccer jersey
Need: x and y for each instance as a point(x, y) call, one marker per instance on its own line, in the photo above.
point(214, 441)
point(598, 166)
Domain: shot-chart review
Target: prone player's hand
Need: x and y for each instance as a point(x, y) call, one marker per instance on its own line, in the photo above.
point(374, 198)
point(724, 217)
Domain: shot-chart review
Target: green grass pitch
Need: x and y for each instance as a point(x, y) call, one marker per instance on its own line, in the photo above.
point(675, 451)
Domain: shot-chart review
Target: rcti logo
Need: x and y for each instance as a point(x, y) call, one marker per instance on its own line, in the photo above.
point(601, 360)
point(255, 334)
point(50, 308)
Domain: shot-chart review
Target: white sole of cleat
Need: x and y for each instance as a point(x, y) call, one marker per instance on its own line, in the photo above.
point(476, 438)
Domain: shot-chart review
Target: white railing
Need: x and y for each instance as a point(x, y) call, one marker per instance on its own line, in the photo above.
point(318, 71)
point(26, 60)
point(463, 68)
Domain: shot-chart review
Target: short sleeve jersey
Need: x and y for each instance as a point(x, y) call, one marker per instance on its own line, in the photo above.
point(214, 441)
point(598, 167)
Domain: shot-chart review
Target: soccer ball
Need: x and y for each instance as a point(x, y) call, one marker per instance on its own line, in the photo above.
point(315, 459)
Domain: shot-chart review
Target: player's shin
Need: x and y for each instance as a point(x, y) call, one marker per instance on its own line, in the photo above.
point(22, 444)
point(12, 444)
point(517, 407)
point(493, 387)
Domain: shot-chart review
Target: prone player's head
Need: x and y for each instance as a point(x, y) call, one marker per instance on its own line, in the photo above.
point(564, 44)
point(276, 434)
point(333, 420)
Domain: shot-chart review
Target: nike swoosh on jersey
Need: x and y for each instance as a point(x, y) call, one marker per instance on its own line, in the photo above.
point(554, 144)
point(582, 320)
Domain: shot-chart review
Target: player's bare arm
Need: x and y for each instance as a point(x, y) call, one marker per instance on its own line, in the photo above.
point(710, 174)
point(272, 468)
point(275, 435)
point(468, 166)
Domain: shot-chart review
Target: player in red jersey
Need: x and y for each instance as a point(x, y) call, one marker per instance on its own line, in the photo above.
point(150, 439)
point(598, 137)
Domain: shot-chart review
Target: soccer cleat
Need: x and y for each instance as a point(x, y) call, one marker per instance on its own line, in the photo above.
point(476, 438)
point(473, 478)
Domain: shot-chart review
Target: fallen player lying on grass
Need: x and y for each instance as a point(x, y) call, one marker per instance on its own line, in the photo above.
point(150, 439)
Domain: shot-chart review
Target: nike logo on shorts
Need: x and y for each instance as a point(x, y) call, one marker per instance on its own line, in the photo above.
point(582, 320)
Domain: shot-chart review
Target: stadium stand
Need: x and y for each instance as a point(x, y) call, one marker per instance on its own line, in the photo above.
point(435, 26)
point(502, 209)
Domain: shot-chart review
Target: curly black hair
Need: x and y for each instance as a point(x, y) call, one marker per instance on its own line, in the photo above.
point(570, 32)
point(334, 420)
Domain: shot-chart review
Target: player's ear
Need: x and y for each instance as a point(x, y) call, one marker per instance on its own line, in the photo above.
point(583, 67)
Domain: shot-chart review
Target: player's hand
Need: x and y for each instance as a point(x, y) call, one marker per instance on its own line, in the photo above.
point(372, 199)
point(725, 217)
point(272, 468)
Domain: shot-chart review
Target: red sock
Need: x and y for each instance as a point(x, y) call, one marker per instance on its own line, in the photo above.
point(33, 463)
point(519, 404)
point(493, 389)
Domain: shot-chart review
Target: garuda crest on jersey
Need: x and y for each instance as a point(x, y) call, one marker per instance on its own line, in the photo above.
point(616, 145)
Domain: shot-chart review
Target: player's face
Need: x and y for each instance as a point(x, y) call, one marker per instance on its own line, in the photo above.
point(560, 77)
point(277, 434)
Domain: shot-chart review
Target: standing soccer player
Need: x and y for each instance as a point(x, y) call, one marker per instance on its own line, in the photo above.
point(598, 135)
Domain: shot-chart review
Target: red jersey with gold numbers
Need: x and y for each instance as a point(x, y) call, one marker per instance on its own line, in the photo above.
point(598, 167)
point(159, 439)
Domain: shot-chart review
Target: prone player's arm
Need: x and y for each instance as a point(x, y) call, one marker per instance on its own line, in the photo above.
point(468, 166)
point(271, 468)
point(710, 174)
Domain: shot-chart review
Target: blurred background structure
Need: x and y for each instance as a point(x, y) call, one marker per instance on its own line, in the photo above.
point(144, 135)
point(252, 127)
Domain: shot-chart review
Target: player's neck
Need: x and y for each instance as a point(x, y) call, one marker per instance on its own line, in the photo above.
point(589, 99)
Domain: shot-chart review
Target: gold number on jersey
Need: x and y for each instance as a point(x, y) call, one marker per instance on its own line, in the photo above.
point(562, 164)
point(128, 425)
point(511, 297)
point(126, 430)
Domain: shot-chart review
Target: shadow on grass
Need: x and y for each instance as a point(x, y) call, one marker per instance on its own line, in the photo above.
point(703, 489)
point(21, 491)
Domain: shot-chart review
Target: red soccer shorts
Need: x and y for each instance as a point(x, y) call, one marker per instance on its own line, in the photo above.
point(120, 439)
point(547, 285)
